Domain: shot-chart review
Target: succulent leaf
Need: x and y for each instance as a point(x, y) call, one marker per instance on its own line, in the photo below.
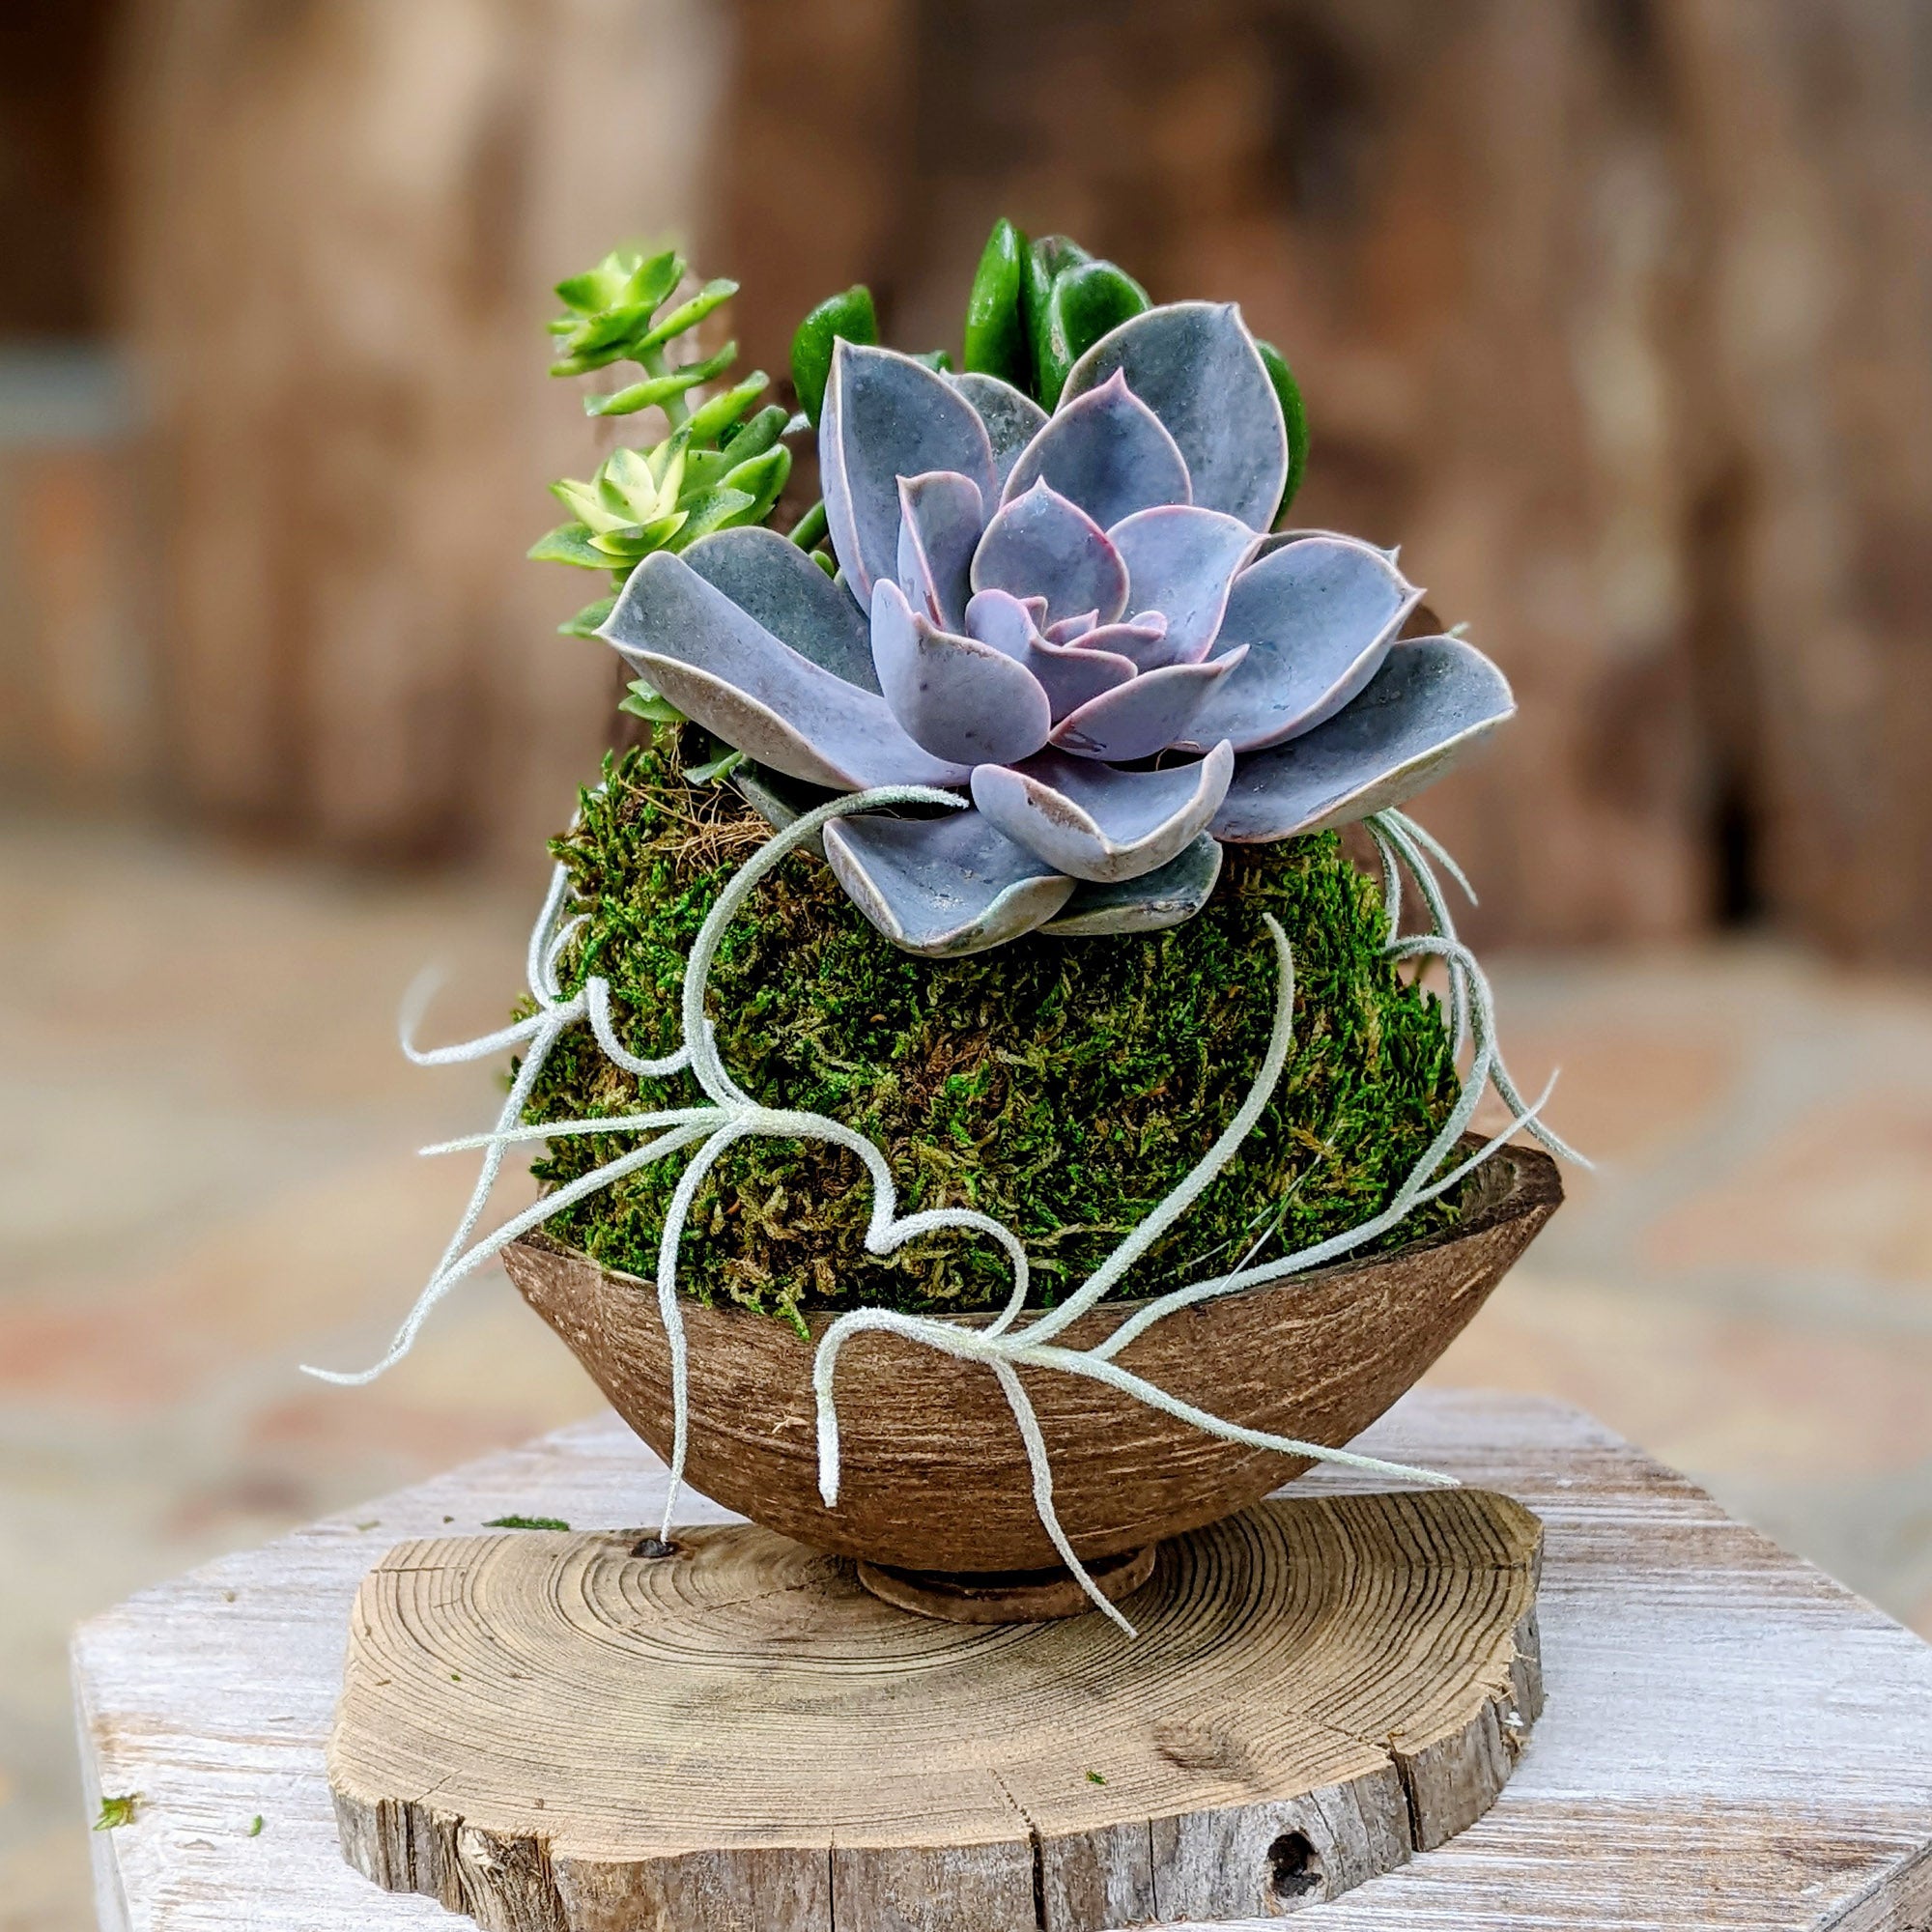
point(1182, 561)
point(842, 318)
point(995, 341)
point(721, 668)
point(642, 701)
point(887, 416)
point(956, 697)
point(1011, 418)
point(940, 515)
point(688, 314)
point(776, 585)
point(1069, 675)
point(655, 391)
point(1135, 721)
point(1142, 639)
point(1317, 617)
point(1094, 821)
point(711, 510)
point(711, 419)
point(589, 620)
point(762, 478)
point(1434, 700)
point(780, 800)
point(1195, 365)
point(1041, 545)
point(569, 543)
point(942, 887)
point(1107, 452)
point(1151, 903)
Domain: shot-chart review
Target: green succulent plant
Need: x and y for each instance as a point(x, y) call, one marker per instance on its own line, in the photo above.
point(719, 468)
point(1035, 308)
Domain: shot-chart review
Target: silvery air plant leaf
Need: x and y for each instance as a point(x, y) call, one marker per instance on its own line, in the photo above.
point(1078, 622)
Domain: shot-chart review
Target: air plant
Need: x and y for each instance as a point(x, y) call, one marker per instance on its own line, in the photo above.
point(1077, 620)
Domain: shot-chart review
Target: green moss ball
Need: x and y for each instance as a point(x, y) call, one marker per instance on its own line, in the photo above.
point(1060, 1086)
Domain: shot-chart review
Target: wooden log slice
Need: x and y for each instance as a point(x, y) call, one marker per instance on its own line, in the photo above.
point(556, 1735)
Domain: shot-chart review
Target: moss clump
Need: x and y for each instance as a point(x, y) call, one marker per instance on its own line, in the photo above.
point(1060, 1086)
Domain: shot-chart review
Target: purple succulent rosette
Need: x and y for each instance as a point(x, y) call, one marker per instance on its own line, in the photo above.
point(1079, 621)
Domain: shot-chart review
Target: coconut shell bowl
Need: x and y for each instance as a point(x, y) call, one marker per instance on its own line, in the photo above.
point(936, 1504)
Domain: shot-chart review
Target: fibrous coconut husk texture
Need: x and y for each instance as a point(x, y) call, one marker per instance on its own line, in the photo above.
point(1062, 1086)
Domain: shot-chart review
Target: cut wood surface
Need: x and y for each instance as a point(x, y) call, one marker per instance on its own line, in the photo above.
point(555, 1732)
point(1732, 1740)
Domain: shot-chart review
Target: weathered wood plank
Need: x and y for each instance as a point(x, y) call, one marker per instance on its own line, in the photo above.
point(545, 1727)
point(1731, 1740)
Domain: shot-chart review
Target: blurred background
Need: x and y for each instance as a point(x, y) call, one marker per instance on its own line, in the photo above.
point(1616, 313)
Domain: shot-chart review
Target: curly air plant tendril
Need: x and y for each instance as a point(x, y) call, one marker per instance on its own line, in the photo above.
point(1008, 1345)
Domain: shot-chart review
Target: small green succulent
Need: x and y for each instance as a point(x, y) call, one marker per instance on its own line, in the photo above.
point(717, 470)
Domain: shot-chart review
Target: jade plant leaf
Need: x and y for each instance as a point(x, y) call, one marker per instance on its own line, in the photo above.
point(1084, 304)
point(995, 343)
point(1294, 418)
point(842, 318)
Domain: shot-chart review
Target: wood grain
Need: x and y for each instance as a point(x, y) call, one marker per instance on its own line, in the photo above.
point(1732, 1740)
point(934, 1475)
point(339, 226)
point(553, 1733)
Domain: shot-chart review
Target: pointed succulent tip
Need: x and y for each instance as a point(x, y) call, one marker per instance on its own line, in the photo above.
point(1197, 367)
point(886, 416)
point(1430, 703)
point(1098, 822)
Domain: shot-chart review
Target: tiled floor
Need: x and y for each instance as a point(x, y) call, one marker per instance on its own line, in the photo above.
point(207, 1181)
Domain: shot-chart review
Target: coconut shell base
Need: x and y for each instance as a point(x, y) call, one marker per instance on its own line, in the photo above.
point(934, 1475)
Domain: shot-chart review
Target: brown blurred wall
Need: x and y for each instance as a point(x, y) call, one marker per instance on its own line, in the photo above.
point(342, 218)
point(1614, 313)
